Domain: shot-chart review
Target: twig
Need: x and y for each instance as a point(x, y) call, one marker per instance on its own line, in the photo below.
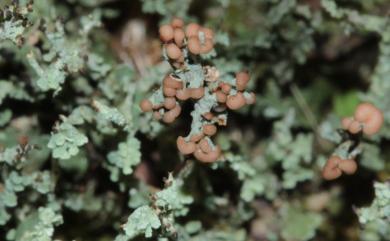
point(307, 111)
point(184, 169)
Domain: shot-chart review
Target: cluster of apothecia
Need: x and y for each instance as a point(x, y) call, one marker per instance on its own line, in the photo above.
point(179, 41)
point(180, 44)
point(228, 96)
point(335, 166)
point(367, 119)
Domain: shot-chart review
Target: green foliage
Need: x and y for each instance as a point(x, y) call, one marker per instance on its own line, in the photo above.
point(253, 187)
point(13, 26)
point(172, 198)
point(166, 7)
point(293, 153)
point(344, 105)
point(49, 77)
point(127, 156)
point(299, 225)
point(166, 204)
point(110, 114)
point(38, 225)
point(65, 141)
point(142, 220)
point(376, 218)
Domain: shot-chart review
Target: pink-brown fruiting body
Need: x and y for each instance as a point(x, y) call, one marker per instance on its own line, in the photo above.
point(331, 170)
point(364, 111)
point(184, 147)
point(169, 103)
point(204, 146)
point(194, 45)
point(355, 127)
point(207, 46)
point(169, 92)
point(209, 157)
point(172, 82)
point(197, 93)
point(348, 166)
point(173, 51)
point(171, 115)
point(179, 37)
point(346, 122)
point(196, 137)
point(209, 129)
point(374, 125)
point(183, 94)
point(367, 118)
point(166, 33)
point(225, 87)
point(221, 97)
point(335, 166)
point(208, 116)
point(177, 22)
point(192, 29)
point(242, 79)
point(370, 116)
point(235, 102)
point(146, 105)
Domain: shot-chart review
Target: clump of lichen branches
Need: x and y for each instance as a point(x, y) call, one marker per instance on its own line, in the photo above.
point(213, 91)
